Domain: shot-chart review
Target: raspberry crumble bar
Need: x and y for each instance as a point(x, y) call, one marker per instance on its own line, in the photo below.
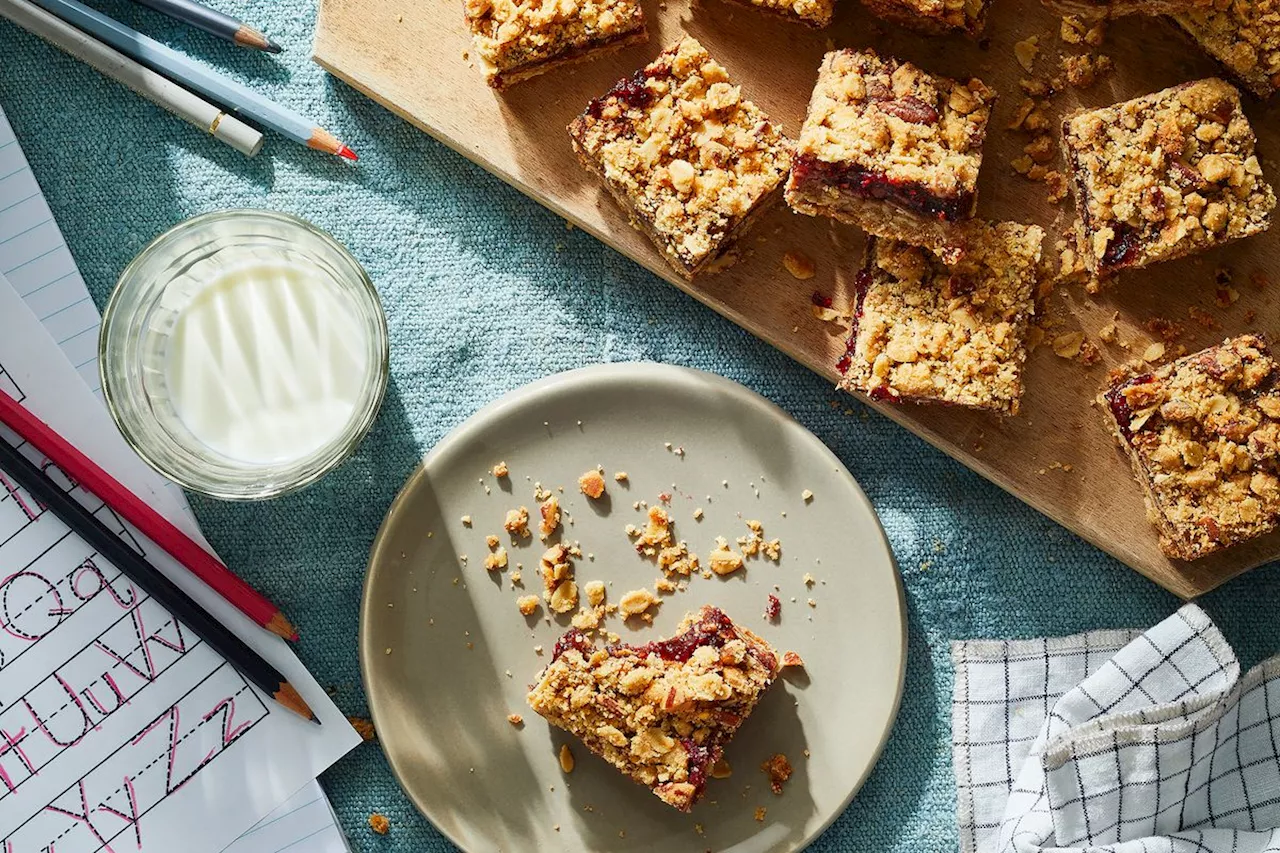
point(891, 149)
point(927, 332)
point(691, 161)
point(934, 16)
point(662, 712)
point(1243, 35)
point(514, 41)
point(1203, 433)
point(1116, 8)
point(1165, 175)
point(815, 13)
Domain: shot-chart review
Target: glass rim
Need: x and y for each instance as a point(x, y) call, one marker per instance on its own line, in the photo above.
point(353, 433)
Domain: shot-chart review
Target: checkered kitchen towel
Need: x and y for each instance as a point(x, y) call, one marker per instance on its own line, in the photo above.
point(1117, 741)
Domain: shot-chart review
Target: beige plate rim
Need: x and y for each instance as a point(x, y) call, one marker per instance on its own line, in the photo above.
point(617, 371)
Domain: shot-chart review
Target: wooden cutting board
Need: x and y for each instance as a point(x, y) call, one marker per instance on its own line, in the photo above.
point(1056, 455)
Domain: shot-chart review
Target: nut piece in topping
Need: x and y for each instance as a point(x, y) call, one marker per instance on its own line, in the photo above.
point(591, 484)
point(517, 522)
point(792, 659)
point(637, 602)
point(595, 592)
point(778, 770)
point(1165, 175)
point(564, 597)
point(892, 149)
point(528, 604)
point(566, 758)
point(496, 560)
point(927, 332)
point(500, 470)
point(723, 560)
point(773, 609)
point(692, 161)
point(379, 823)
point(1203, 434)
point(550, 511)
point(933, 17)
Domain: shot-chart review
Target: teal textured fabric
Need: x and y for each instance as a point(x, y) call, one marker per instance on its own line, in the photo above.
point(485, 291)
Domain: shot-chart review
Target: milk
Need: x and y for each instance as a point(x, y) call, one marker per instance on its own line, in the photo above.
point(265, 362)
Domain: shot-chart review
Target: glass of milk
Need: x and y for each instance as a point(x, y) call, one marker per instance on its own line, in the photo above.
point(244, 354)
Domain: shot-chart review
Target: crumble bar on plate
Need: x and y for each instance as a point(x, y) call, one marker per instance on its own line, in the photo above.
point(662, 712)
point(691, 161)
point(1203, 434)
point(514, 40)
point(934, 16)
point(1243, 35)
point(1165, 175)
point(927, 332)
point(891, 149)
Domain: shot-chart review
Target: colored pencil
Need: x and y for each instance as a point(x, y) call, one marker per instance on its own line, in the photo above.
point(147, 83)
point(213, 22)
point(134, 510)
point(234, 650)
point(195, 76)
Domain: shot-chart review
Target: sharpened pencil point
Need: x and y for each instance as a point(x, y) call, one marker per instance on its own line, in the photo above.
point(248, 37)
point(272, 47)
point(344, 151)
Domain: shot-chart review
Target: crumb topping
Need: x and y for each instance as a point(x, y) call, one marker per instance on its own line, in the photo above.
point(550, 511)
point(887, 117)
point(816, 13)
point(379, 823)
point(1203, 433)
point(661, 713)
point(933, 15)
point(926, 331)
point(528, 604)
point(364, 727)
point(1244, 35)
point(1165, 174)
point(511, 34)
point(681, 146)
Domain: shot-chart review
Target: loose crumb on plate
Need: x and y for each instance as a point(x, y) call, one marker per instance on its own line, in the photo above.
point(566, 758)
point(515, 719)
point(517, 522)
point(637, 602)
point(591, 484)
point(528, 604)
point(806, 495)
point(620, 476)
point(760, 812)
point(501, 470)
point(466, 521)
point(778, 769)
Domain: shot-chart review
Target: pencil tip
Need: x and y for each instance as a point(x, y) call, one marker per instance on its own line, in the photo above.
point(344, 151)
point(279, 625)
point(316, 720)
point(288, 696)
point(272, 47)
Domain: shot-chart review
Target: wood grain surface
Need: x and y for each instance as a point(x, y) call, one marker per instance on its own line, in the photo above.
point(1056, 455)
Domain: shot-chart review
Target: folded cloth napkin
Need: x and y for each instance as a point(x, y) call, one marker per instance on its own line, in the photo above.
point(1116, 741)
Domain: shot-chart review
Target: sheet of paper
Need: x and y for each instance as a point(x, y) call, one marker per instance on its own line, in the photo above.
point(303, 824)
point(35, 259)
point(123, 728)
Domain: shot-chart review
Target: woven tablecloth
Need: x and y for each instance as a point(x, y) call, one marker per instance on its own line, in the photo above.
point(486, 291)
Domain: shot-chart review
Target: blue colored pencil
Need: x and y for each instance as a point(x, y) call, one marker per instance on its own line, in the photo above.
point(196, 76)
point(213, 22)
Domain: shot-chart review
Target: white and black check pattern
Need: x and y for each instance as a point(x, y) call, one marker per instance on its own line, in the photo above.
point(1116, 741)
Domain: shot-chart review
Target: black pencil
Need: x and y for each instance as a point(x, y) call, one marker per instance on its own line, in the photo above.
point(235, 651)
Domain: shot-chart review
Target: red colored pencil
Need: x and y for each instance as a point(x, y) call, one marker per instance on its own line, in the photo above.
point(152, 524)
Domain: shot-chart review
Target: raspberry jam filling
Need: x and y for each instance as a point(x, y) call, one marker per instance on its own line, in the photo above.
point(1119, 404)
point(701, 757)
point(572, 639)
point(862, 183)
point(1123, 248)
point(713, 629)
point(861, 285)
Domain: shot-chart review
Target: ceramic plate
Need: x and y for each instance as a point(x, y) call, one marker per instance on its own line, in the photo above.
point(446, 655)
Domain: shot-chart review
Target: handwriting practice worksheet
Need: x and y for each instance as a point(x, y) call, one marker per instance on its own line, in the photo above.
point(119, 729)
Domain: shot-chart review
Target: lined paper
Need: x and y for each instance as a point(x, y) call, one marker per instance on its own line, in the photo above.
point(36, 264)
point(35, 259)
